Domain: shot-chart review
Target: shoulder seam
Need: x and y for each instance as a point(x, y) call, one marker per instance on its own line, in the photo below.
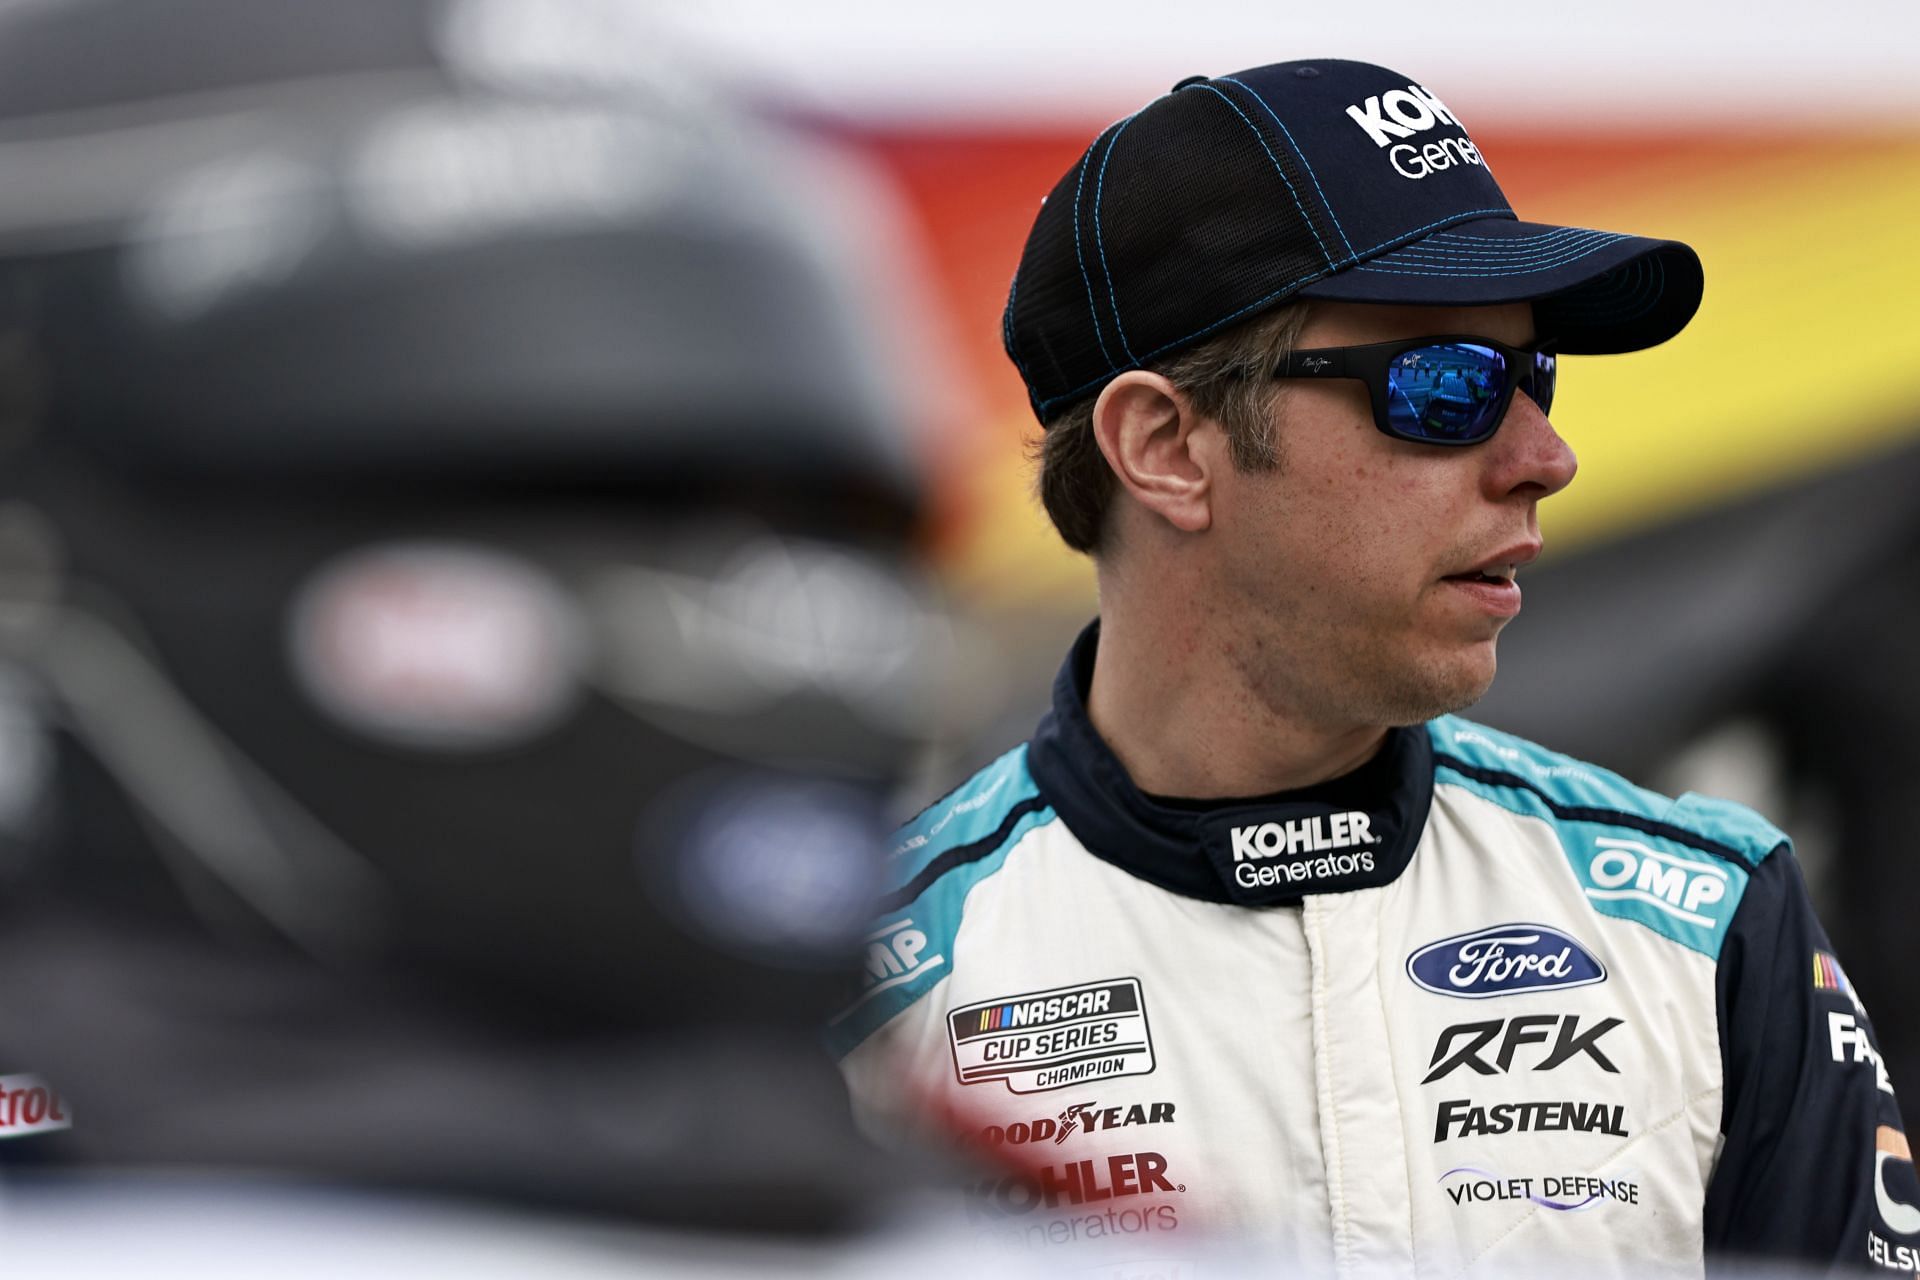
point(957, 788)
point(959, 856)
point(1584, 813)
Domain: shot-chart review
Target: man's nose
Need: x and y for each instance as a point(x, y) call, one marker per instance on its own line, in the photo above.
point(1528, 457)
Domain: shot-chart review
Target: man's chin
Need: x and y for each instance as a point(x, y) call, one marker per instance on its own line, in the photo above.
point(1442, 687)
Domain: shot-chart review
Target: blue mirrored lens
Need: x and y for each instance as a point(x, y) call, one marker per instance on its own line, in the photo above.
point(1449, 392)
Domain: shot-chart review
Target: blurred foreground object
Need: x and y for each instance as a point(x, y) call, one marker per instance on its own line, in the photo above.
point(457, 618)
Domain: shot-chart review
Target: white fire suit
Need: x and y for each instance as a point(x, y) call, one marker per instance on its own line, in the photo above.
point(1472, 1005)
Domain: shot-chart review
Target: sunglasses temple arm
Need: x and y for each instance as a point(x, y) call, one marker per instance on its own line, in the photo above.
point(1328, 363)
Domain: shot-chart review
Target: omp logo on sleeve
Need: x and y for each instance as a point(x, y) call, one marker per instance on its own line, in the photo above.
point(896, 954)
point(1051, 1039)
point(1504, 960)
point(1628, 871)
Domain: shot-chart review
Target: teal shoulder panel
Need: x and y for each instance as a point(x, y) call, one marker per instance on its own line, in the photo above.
point(939, 858)
point(1678, 867)
point(970, 812)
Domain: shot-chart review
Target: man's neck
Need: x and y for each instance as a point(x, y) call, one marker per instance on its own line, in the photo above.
point(1177, 711)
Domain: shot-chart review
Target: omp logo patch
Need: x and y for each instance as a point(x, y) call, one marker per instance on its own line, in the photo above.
point(1050, 1039)
point(896, 954)
point(1628, 871)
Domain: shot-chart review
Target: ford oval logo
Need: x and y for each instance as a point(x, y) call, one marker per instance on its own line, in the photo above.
point(1504, 960)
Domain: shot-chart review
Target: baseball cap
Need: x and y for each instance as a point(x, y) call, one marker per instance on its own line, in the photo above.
point(1324, 179)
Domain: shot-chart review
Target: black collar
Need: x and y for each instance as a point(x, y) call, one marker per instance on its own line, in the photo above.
point(1352, 832)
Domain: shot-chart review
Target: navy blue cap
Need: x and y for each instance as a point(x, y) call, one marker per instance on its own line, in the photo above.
point(1318, 179)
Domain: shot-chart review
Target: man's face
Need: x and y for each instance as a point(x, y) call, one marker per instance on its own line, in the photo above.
point(1347, 576)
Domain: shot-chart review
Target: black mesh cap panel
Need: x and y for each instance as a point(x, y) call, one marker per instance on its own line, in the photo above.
point(1190, 192)
point(1052, 332)
point(1224, 215)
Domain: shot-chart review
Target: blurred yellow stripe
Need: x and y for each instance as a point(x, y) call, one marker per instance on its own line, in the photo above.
point(1804, 354)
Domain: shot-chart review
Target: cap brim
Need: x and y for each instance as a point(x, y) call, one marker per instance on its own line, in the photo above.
point(1594, 292)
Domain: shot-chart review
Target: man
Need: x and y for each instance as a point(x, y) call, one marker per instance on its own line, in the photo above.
point(1254, 933)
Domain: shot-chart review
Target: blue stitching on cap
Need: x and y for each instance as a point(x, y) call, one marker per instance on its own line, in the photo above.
point(1552, 231)
point(1516, 244)
point(1465, 271)
point(1548, 234)
point(1452, 254)
point(1041, 407)
point(1415, 256)
point(1288, 134)
point(1407, 258)
point(1452, 217)
point(1099, 242)
point(1079, 184)
point(1260, 302)
point(1276, 166)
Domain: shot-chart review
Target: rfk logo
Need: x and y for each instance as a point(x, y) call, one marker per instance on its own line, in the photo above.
point(1449, 1054)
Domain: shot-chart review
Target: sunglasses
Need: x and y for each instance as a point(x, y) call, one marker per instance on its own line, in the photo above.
point(1447, 390)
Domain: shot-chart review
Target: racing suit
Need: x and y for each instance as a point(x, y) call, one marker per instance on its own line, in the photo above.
point(1472, 1004)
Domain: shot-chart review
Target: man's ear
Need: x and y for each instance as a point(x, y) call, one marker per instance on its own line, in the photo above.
point(1164, 453)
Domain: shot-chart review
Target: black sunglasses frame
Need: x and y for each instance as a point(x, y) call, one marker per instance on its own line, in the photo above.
point(1370, 363)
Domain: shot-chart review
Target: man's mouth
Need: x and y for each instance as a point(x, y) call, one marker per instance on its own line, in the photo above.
point(1496, 575)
